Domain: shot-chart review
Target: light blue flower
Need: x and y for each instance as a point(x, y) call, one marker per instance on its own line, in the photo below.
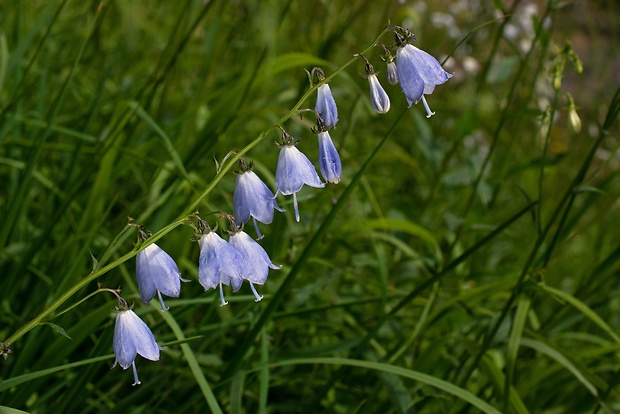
point(294, 170)
point(325, 103)
point(329, 160)
point(219, 262)
point(379, 100)
point(256, 262)
point(418, 72)
point(132, 337)
point(252, 198)
point(391, 73)
point(157, 273)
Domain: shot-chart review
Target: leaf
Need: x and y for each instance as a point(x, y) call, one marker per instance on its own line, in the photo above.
point(406, 226)
point(58, 329)
point(562, 360)
point(407, 373)
point(95, 261)
point(583, 308)
point(9, 410)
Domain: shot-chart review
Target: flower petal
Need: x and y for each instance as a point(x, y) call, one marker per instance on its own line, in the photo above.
point(294, 170)
point(123, 343)
point(256, 261)
point(326, 106)
point(219, 262)
point(409, 77)
point(329, 160)
point(160, 269)
point(253, 198)
point(379, 99)
point(146, 283)
point(141, 335)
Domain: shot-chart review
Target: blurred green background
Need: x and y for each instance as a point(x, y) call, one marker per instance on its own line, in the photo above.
point(477, 253)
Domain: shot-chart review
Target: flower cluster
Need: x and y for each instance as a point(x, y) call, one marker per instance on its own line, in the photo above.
point(416, 71)
point(229, 262)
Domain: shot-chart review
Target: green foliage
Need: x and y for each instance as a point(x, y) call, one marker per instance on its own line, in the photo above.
point(467, 262)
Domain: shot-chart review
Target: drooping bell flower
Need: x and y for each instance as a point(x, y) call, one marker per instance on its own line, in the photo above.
point(294, 170)
point(256, 262)
point(379, 99)
point(132, 337)
point(329, 160)
point(219, 262)
point(252, 198)
point(325, 103)
point(418, 72)
point(157, 273)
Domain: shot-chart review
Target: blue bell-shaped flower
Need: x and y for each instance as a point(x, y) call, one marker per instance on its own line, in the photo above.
point(132, 337)
point(256, 261)
point(329, 160)
point(418, 72)
point(294, 170)
point(325, 103)
point(219, 262)
point(379, 99)
point(252, 198)
point(157, 273)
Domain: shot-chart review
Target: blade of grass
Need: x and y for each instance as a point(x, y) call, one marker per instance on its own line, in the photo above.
point(192, 361)
point(583, 308)
point(403, 372)
point(264, 373)
point(518, 324)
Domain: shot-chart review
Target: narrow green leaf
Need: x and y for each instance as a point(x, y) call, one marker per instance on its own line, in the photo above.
point(12, 382)
point(9, 410)
point(523, 307)
point(562, 360)
point(162, 135)
point(583, 308)
point(236, 393)
point(192, 361)
point(58, 329)
point(4, 58)
point(407, 373)
point(405, 226)
point(264, 373)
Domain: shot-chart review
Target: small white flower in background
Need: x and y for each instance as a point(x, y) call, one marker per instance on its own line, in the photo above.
point(132, 337)
point(329, 160)
point(252, 198)
point(418, 72)
point(294, 170)
point(256, 261)
point(157, 273)
point(219, 262)
point(325, 103)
